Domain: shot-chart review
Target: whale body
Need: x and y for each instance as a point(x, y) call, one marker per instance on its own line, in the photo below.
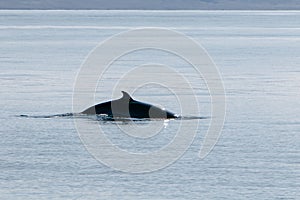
point(127, 107)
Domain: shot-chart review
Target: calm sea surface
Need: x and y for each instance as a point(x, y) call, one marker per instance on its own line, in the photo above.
point(256, 157)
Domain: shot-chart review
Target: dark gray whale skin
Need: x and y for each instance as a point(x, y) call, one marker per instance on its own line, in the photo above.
point(127, 107)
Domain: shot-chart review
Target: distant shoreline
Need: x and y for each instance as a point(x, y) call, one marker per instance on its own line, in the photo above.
point(149, 5)
point(238, 10)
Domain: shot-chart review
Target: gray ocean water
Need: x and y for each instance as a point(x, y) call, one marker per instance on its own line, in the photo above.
point(256, 157)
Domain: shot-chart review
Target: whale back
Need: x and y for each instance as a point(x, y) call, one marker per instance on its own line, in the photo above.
point(127, 107)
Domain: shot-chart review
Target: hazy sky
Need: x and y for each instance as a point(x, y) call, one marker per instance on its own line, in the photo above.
point(150, 4)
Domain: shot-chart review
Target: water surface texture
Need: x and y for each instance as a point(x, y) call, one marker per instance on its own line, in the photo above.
point(256, 157)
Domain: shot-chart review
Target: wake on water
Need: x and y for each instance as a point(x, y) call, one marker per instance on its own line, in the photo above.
point(103, 117)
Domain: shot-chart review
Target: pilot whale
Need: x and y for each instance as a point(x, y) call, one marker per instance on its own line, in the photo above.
point(127, 107)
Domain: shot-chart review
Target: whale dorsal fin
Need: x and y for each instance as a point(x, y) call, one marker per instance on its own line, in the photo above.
point(126, 96)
